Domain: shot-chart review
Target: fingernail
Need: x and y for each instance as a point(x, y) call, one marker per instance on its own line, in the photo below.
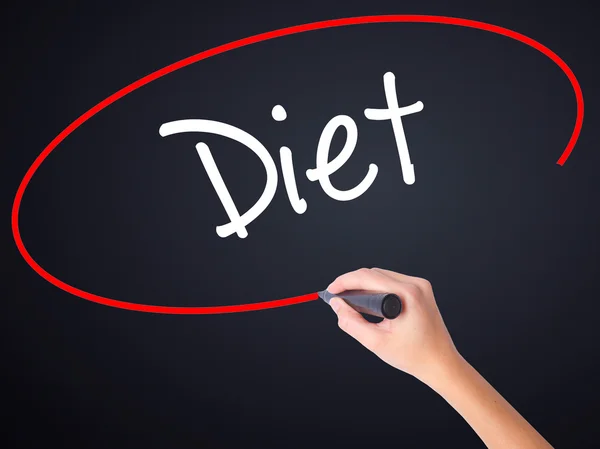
point(335, 304)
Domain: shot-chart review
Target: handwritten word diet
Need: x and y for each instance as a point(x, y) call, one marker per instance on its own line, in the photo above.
point(323, 167)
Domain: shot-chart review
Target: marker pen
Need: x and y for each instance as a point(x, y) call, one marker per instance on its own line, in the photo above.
point(383, 305)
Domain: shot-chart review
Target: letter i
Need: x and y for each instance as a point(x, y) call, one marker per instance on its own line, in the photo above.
point(287, 167)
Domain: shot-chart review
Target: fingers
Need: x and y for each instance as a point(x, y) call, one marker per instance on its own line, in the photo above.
point(363, 279)
point(374, 280)
point(351, 322)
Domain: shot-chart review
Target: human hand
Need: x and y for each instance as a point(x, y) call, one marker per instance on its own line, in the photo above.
point(417, 341)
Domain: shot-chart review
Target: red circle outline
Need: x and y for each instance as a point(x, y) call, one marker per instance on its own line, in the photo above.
point(231, 46)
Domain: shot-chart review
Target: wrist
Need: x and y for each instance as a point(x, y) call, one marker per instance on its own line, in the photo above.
point(445, 369)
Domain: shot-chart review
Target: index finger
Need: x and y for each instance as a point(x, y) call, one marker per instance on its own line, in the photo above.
point(363, 279)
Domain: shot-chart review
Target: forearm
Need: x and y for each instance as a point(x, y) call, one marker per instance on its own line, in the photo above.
point(496, 422)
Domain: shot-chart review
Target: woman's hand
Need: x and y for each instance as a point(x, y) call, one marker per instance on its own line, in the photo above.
point(417, 341)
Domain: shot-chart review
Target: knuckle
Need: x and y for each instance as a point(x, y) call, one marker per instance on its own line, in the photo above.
point(425, 285)
point(413, 291)
point(364, 270)
point(379, 272)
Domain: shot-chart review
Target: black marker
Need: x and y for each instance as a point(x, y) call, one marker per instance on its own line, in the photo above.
point(383, 305)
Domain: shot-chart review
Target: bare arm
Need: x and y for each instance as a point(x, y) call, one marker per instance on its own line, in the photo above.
point(418, 343)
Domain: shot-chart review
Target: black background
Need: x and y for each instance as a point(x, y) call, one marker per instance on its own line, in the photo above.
point(508, 238)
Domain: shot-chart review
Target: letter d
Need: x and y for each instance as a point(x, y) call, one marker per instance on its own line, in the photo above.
point(238, 222)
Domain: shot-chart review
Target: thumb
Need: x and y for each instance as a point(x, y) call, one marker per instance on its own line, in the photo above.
point(352, 322)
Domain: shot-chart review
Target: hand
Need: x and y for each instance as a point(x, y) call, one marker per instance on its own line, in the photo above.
point(417, 341)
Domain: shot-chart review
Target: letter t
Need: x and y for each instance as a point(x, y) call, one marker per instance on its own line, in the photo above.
point(394, 113)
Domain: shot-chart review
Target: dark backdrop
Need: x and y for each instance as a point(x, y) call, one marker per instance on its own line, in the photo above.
point(508, 238)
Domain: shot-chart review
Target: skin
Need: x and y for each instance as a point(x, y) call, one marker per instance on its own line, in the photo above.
point(418, 343)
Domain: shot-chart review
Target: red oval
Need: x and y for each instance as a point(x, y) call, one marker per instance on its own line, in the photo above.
point(231, 46)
